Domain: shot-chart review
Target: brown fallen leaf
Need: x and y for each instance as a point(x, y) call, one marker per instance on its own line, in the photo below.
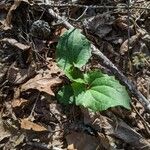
point(7, 22)
point(122, 23)
point(15, 43)
point(3, 5)
point(17, 75)
point(60, 31)
point(43, 84)
point(28, 125)
point(45, 80)
point(18, 102)
point(99, 25)
point(124, 132)
point(115, 127)
point(132, 41)
point(3, 132)
point(71, 147)
point(81, 141)
point(16, 140)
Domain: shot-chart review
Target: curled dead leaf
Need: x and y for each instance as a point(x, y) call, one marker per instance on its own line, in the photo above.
point(18, 102)
point(81, 141)
point(99, 25)
point(45, 80)
point(28, 125)
point(132, 41)
point(71, 147)
point(7, 22)
point(122, 23)
point(15, 43)
point(17, 75)
point(3, 132)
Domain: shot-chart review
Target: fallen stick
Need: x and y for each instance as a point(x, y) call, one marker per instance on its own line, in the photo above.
point(92, 6)
point(110, 65)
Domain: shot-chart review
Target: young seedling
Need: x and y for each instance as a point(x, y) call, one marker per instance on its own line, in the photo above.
point(94, 90)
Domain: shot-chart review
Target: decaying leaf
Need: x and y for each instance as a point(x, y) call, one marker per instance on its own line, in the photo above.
point(122, 23)
point(44, 81)
point(117, 128)
point(71, 147)
point(7, 22)
point(28, 125)
point(15, 43)
point(60, 31)
point(127, 134)
point(81, 141)
point(14, 141)
point(132, 41)
point(18, 102)
point(3, 4)
point(18, 140)
point(17, 75)
point(100, 25)
point(3, 132)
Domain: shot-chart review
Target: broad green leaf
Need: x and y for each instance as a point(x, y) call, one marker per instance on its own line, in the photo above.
point(73, 49)
point(75, 75)
point(65, 95)
point(100, 92)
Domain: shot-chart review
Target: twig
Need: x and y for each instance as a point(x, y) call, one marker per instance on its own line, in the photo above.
point(128, 25)
point(32, 111)
point(111, 66)
point(84, 12)
point(144, 122)
point(46, 5)
point(55, 15)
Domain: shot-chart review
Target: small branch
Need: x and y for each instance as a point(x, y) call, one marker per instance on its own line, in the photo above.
point(55, 15)
point(66, 23)
point(46, 5)
point(84, 12)
point(35, 103)
point(128, 25)
point(111, 66)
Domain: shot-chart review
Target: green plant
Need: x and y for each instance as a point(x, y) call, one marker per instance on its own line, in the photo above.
point(140, 59)
point(93, 89)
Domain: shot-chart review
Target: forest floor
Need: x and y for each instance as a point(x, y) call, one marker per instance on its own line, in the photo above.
point(31, 117)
